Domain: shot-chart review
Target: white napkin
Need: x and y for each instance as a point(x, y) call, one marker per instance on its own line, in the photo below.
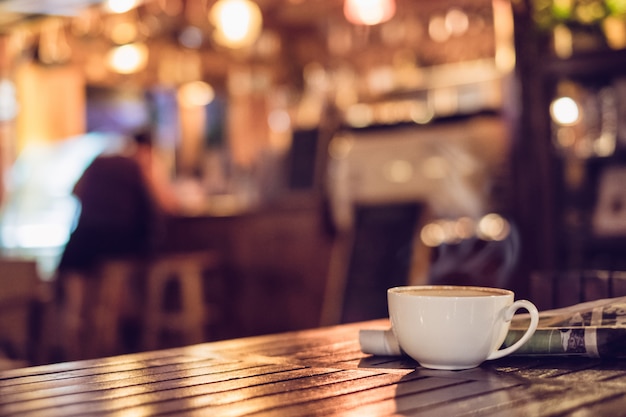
point(379, 342)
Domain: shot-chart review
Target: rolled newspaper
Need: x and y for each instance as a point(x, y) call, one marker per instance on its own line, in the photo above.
point(379, 342)
point(593, 329)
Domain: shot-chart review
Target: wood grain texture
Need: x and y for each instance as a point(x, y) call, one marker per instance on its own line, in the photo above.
point(317, 372)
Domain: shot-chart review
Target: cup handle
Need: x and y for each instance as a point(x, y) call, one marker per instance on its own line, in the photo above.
point(508, 316)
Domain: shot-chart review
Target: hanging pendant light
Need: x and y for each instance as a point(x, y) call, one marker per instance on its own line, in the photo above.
point(237, 22)
point(369, 12)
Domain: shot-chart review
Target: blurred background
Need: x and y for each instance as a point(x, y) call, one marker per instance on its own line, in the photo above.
point(320, 152)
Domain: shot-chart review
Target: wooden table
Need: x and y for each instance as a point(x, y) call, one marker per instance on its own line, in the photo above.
point(314, 372)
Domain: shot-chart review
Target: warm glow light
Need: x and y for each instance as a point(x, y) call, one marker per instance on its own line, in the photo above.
point(127, 59)
point(120, 6)
point(420, 112)
point(279, 121)
point(456, 22)
point(493, 227)
point(464, 227)
point(437, 29)
point(196, 94)
point(237, 23)
point(359, 115)
point(124, 33)
point(439, 232)
point(369, 12)
point(399, 171)
point(564, 111)
point(433, 234)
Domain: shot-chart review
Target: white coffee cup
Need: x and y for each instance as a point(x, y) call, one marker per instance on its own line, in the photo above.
point(455, 327)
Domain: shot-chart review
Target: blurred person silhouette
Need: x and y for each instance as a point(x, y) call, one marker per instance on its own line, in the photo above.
point(124, 201)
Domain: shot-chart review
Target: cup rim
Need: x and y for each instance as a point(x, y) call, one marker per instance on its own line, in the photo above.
point(402, 291)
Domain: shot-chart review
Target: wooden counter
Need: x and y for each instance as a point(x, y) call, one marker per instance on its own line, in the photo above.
point(277, 263)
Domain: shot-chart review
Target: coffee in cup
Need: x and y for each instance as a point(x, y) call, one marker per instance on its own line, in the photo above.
point(455, 327)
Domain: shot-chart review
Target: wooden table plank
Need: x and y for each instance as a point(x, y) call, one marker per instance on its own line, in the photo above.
point(570, 399)
point(126, 377)
point(442, 402)
point(155, 391)
point(611, 406)
point(299, 397)
point(119, 388)
point(108, 366)
point(499, 402)
point(361, 399)
point(318, 372)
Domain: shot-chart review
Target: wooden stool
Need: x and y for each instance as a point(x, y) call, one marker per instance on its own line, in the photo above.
point(185, 315)
point(115, 297)
point(93, 308)
point(20, 295)
point(73, 315)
